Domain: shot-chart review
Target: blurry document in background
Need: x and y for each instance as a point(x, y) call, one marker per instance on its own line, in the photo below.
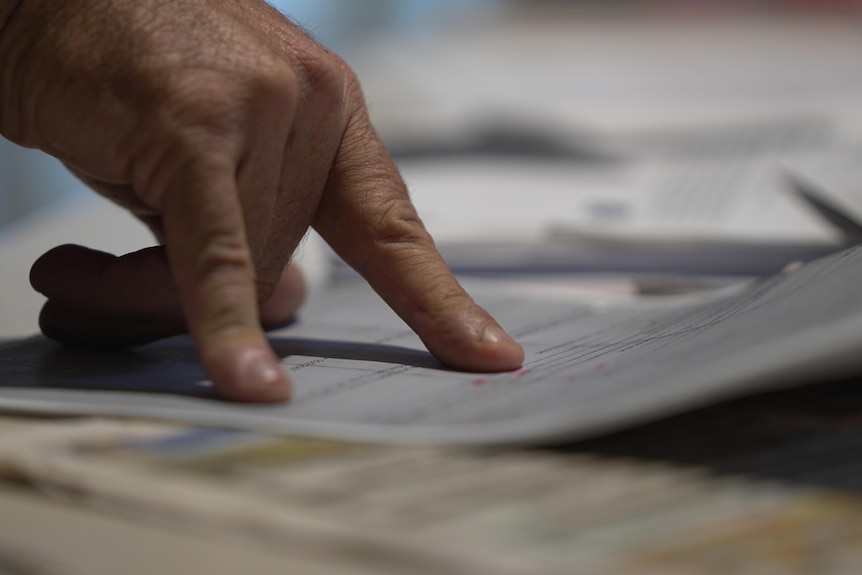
point(732, 217)
point(621, 142)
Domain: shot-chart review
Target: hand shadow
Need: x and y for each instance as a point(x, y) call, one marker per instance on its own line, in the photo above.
point(169, 366)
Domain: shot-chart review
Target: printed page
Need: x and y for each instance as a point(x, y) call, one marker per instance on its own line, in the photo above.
point(360, 373)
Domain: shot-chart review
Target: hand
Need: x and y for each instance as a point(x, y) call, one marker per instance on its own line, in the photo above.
point(229, 132)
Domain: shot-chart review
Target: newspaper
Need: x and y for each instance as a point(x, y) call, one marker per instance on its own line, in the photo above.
point(400, 509)
point(47, 537)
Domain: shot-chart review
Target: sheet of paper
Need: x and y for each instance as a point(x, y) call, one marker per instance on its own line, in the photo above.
point(360, 373)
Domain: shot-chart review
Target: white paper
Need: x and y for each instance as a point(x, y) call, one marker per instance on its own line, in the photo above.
point(360, 373)
point(740, 200)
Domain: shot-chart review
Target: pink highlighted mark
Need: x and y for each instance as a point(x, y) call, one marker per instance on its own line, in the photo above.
point(600, 367)
point(485, 381)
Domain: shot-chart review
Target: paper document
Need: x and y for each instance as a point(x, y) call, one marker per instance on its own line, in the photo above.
point(733, 216)
point(360, 373)
point(742, 200)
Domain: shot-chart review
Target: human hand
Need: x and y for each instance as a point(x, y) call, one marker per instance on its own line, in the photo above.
point(229, 132)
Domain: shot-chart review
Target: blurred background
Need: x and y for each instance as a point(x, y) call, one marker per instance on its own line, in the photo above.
point(29, 179)
point(588, 114)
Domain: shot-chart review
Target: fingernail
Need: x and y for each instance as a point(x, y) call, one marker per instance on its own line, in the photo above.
point(495, 334)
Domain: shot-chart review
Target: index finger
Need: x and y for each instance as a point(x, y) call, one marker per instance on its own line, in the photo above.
point(367, 217)
point(210, 260)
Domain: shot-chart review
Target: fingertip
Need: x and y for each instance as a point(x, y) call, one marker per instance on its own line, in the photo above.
point(40, 270)
point(480, 346)
point(503, 352)
point(57, 265)
point(248, 374)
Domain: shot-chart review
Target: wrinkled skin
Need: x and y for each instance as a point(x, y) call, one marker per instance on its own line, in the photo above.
point(229, 132)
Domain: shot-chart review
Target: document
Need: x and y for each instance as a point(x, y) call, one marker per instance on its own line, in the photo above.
point(740, 199)
point(737, 215)
point(361, 374)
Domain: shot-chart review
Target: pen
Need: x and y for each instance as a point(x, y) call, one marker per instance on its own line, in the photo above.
point(824, 207)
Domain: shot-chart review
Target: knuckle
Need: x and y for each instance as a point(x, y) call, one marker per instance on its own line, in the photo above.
point(275, 86)
point(396, 235)
point(196, 105)
point(213, 106)
point(215, 101)
point(325, 77)
point(399, 224)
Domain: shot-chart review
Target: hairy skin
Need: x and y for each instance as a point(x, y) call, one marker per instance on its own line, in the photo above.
point(229, 132)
